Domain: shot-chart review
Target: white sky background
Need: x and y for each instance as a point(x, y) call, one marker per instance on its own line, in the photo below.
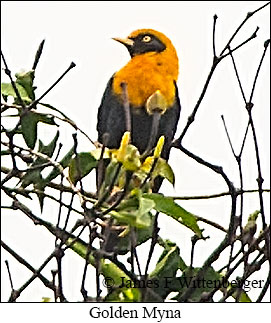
point(81, 32)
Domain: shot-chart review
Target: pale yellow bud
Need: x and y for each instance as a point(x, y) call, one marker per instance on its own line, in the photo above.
point(159, 147)
point(156, 103)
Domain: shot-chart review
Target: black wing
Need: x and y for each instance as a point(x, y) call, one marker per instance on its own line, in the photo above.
point(111, 118)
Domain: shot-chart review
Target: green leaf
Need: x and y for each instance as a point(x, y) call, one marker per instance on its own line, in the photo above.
point(34, 175)
point(168, 262)
point(123, 244)
point(81, 165)
point(45, 118)
point(168, 245)
point(163, 169)
point(165, 271)
point(96, 153)
point(118, 282)
point(136, 216)
point(110, 172)
point(64, 163)
point(242, 297)
point(29, 122)
point(166, 171)
point(109, 269)
point(41, 187)
point(29, 128)
point(31, 177)
point(167, 206)
point(145, 206)
point(25, 79)
point(7, 90)
point(49, 149)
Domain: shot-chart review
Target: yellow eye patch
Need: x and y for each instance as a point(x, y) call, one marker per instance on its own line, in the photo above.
point(146, 39)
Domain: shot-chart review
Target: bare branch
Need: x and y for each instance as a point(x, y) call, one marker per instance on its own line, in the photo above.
point(249, 15)
point(8, 72)
point(34, 103)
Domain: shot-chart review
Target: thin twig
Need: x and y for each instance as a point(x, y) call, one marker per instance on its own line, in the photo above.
point(228, 136)
point(77, 164)
point(154, 238)
point(214, 25)
point(254, 35)
point(59, 254)
point(211, 196)
point(150, 173)
point(72, 65)
point(265, 288)
point(59, 208)
point(68, 120)
point(191, 118)
point(249, 15)
point(176, 143)
point(126, 106)
point(100, 171)
point(9, 275)
point(236, 265)
point(237, 75)
point(108, 191)
point(83, 289)
point(213, 257)
point(88, 195)
point(156, 116)
point(8, 72)
point(249, 106)
point(256, 266)
point(213, 224)
point(266, 44)
point(133, 249)
point(121, 195)
point(238, 160)
point(55, 164)
point(36, 272)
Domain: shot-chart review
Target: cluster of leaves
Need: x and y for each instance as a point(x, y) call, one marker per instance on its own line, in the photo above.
point(135, 211)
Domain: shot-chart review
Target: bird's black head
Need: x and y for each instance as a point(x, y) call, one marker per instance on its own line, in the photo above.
point(142, 43)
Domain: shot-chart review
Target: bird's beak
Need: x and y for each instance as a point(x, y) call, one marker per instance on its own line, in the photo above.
point(125, 41)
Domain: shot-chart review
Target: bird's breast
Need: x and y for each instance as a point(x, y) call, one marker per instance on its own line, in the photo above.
point(145, 74)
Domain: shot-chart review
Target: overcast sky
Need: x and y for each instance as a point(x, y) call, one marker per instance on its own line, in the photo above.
point(81, 32)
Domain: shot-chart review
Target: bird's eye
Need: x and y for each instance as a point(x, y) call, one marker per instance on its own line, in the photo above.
point(146, 39)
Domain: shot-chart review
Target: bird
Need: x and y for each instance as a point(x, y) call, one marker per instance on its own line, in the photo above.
point(151, 72)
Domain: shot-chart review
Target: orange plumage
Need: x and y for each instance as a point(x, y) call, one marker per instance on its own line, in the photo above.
point(144, 74)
